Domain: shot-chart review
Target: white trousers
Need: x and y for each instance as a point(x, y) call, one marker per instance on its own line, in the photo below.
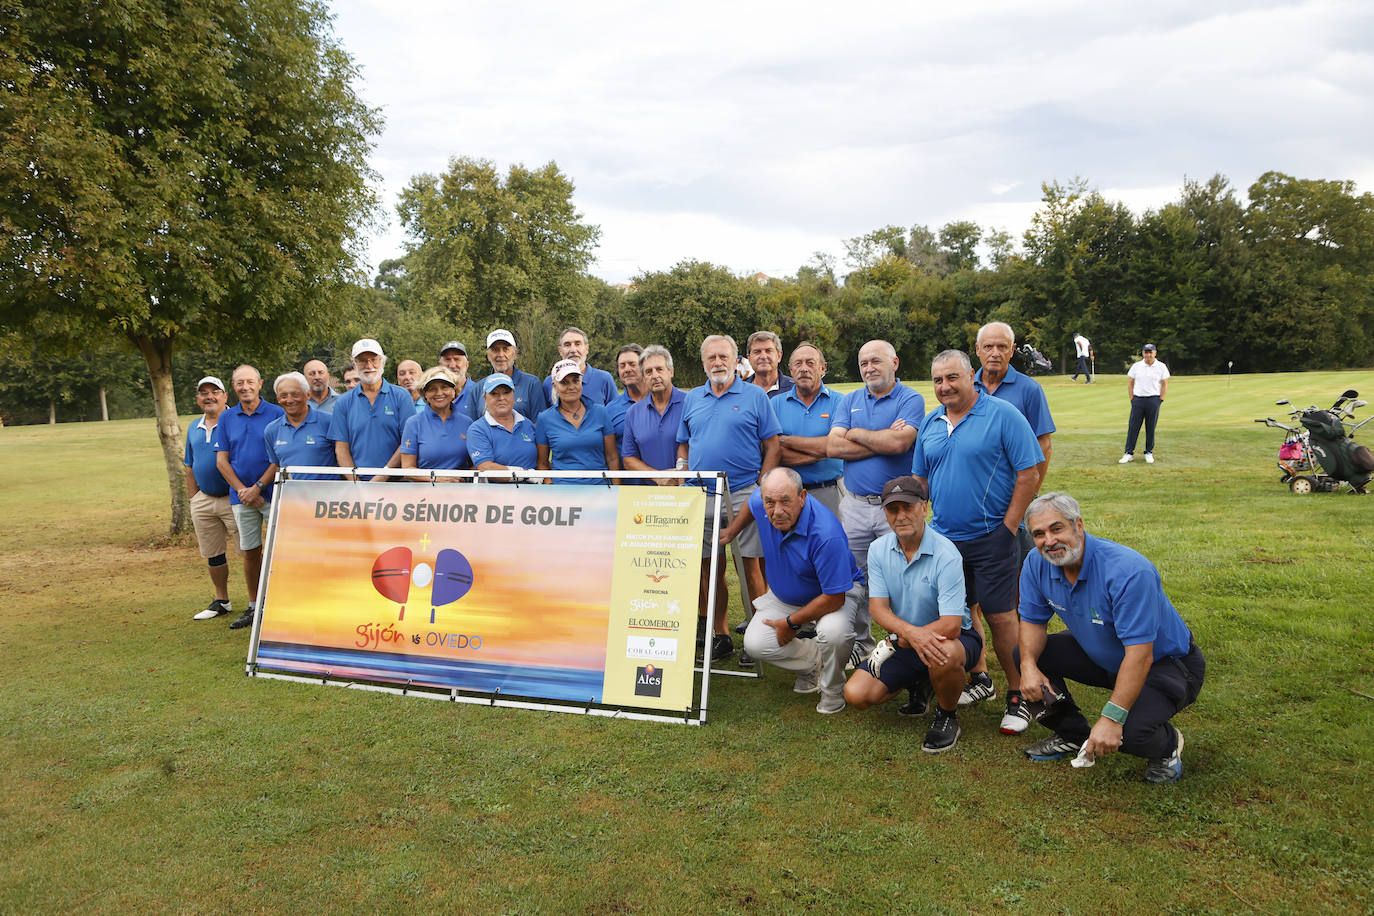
point(834, 636)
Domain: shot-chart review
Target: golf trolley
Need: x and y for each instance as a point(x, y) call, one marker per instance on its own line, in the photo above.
point(1033, 362)
point(1319, 451)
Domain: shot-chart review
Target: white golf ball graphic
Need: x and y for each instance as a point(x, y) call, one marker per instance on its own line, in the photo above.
point(422, 576)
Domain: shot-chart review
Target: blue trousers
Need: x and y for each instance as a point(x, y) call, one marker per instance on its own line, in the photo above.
point(1143, 410)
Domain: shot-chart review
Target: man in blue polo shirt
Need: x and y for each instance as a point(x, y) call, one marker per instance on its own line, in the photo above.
point(998, 377)
point(1123, 634)
point(728, 426)
point(300, 437)
point(211, 514)
point(502, 353)
point(240, 440)
point(916, 593)
point(804, 414)
point(813, 580)
point(872, 431)
point(977, 455)
point(368, 420)
point(597, 385)
point(627, 370)
point(763, 349)
point(649, 440)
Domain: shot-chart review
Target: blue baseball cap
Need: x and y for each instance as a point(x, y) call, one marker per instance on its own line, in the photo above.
point(496, 380)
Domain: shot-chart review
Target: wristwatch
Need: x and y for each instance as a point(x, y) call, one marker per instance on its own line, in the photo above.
point(795, 626)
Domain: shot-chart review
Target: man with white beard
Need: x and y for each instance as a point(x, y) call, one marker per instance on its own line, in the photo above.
point(367, 423)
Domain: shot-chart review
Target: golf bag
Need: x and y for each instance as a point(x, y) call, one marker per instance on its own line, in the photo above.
point(1033, 362)
point(1339, 455)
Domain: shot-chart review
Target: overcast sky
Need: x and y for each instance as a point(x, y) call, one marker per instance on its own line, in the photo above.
point(754, 134)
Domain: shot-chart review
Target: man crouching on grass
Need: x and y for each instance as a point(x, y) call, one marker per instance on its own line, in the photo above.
point(916, 593)
point(1123, 634)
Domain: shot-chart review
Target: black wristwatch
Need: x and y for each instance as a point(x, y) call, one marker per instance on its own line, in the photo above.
point(795, 626)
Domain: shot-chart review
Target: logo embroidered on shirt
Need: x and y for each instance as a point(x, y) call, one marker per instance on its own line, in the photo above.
point(1097, 618)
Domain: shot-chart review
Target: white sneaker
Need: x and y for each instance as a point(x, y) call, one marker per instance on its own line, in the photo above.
point(1149, 459)
point(1126, 458)
point(810, 681)
point(217, 608)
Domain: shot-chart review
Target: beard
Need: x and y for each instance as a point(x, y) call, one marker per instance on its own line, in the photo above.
point(721, 374)
point(370, 376)
point(1069, 557)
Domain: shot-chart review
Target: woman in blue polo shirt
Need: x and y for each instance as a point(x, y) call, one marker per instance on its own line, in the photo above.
point(436, 438)
point(573, 435)
point(502, 438)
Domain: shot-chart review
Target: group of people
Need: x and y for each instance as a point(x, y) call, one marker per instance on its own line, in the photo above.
point(844, 509)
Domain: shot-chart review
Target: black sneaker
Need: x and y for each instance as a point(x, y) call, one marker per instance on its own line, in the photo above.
point(745, 659)
point(217, 608)
point(722, 647)
point(944, 732)
point(244, 620)
point(978, 689)
point(742, 626)
point(1052, 748)
point(1164, 770)
point(919, 704)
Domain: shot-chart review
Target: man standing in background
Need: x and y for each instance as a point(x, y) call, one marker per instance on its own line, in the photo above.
point(1083, 349)
point(1146, 384)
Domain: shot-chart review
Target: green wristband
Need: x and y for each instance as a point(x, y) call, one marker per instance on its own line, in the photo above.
point(1115, 713)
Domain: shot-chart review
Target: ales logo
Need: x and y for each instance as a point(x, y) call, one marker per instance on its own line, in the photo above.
point(648, 681)
point(394, 572)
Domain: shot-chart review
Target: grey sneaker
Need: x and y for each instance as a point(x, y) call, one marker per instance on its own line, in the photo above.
point(1052, 748)
point(944, 732)
point(809, 681)
point(831, 705)
point(978, 689)
point(1164, 770)
point(217, 608)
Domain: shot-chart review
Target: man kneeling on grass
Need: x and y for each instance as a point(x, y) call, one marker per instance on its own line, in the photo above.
point(916, 593)
point(812, 578)
point(1123, 634)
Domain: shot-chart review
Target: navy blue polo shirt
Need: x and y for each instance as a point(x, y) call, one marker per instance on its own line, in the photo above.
point(243, 436)
point(927, 587)
point(861, 410)
point(200, 458)
point(1118, 601)
point(972, 468)
point(725, 432)
point(575, 448)
point(304, 446)
point(1025, 394)
point(371, 429)
point(598, 387)
point(796, 419)
point(616, 410)
point(810, 560)
point(490, 441)
point(529, 394)
point(651, 436)
point(785, 384)
point(436, 443)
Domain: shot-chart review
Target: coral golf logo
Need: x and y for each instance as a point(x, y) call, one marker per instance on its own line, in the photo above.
point(395, 571)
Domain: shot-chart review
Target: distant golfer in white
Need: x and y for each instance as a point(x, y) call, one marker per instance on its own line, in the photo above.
point(1146, 384)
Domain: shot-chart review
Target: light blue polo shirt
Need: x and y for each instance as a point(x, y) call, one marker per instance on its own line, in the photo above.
point(242, 435)
point(651, 436)
point(490, 441)
point(1025, 394)
point(810, 560)
point(725, 432)
point(922, 591)
point(861, 410)
point(796, 419)
point(1118, 601)
point(305, 445)
point(575, 448)
point(200, 458)
point(436, 443)
point(371, 429)
point(598, 387)
point(972, 468)
point(529, 394)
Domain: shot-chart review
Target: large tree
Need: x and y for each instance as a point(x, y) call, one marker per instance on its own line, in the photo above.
point(483, 249)
point(177, 173)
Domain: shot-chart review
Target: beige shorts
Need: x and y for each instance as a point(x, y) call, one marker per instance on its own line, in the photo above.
point(747, 542)
point(213, 519)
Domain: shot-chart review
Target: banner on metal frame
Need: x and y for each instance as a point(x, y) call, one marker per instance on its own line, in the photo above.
point(576, 594)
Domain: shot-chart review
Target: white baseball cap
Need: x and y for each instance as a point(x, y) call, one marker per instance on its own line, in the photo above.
point(498, 335)
point(367, 345)
point(211, 380)
point(564, 368)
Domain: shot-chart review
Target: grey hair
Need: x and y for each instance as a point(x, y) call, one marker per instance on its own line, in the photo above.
point(572, 330)
point(792, 476)
point(244, 366)
point(656, 350)
point(296, 377)
point(958, 355)
point(1059, 502)
point(763, 335)
point(712, 338)
point(995, 325)
point(634, 348)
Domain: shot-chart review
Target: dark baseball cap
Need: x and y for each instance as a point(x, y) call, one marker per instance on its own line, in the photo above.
point(905, 490)
point(1148, 347)
point(453, 345)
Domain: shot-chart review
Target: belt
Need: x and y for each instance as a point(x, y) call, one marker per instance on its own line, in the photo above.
point(822, 485)
point(873, 499)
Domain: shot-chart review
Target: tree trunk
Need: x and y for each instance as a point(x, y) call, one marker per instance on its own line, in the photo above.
point(158, 355)
point(52, 412)
point(104, 407)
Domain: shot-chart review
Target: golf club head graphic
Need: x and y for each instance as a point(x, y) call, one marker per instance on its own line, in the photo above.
point(394, 571)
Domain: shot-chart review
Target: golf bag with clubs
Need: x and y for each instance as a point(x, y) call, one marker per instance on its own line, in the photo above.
point(1320, 452)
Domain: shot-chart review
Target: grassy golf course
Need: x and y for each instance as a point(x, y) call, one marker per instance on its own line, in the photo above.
point(144, 772)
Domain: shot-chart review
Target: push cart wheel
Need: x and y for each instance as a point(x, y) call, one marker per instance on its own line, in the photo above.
point(1300, 485)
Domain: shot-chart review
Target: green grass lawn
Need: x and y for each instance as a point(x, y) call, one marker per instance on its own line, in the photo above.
point(144, 772)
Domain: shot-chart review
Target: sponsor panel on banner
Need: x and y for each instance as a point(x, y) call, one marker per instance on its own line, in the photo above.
point(570, 593)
